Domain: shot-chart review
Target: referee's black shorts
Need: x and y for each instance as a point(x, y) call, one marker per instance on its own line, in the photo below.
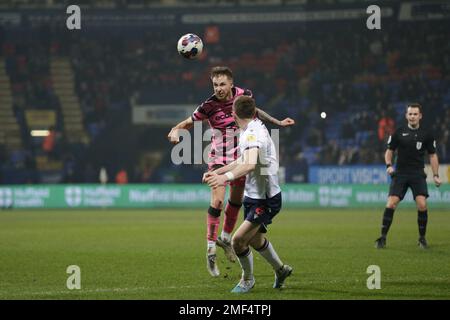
point(401, 182)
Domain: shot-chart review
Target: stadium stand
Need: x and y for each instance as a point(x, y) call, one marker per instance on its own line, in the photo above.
point(87, 83)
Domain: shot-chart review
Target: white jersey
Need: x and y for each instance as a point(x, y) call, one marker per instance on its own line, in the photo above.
point(262, 182)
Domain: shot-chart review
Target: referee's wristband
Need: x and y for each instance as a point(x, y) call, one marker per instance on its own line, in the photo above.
point(388, 165)
point(436, 175)
point(229, 175)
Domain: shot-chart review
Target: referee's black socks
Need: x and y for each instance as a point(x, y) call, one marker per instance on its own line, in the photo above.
point(422, 219)
point(387, 221)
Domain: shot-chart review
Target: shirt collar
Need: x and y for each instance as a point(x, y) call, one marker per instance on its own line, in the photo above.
point(414, 129)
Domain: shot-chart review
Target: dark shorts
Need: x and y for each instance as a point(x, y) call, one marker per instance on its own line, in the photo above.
point(262, 211)
point(240, 182)
point(401, 182)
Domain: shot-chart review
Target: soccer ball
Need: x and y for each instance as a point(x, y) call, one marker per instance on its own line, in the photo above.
point(190, 46)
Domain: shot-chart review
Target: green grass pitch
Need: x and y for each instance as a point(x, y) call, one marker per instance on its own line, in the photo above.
point(160, 254)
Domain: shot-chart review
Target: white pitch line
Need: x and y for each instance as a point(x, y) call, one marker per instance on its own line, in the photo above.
point(83, 291)
point(106, 290)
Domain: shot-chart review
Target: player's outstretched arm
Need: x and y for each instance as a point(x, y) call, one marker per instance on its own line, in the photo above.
point(174, 136)
point(229, 166)
point(264, 116)
point(434, 162)
point(250, 158)
point(221, 170)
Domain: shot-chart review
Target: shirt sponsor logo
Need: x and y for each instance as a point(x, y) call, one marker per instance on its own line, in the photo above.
point(223, 116)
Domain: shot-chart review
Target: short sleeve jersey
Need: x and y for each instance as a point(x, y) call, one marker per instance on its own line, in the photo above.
point(224, 141)
point(261, 183)
point(411, 145)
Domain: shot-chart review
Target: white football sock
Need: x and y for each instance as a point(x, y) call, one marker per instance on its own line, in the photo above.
point(225, 236)
point(246, 263)
point(211, 245)
point(271, 256)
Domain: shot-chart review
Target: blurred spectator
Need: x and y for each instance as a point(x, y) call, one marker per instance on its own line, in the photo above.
point(122, 176)
point(103, 176)
point(146, 173)
point(386, 126)
point(348, 156)
point(338, 68)
point(49, 142)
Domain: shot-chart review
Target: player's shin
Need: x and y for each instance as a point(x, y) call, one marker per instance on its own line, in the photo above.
point(422, 220)
point(246, 262)
point(213, 222)
point(231, 216)
point(388, 216)
point(270, 255)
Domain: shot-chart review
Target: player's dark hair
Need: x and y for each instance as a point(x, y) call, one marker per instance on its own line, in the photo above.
point(245, 107)
point(414, 105)
point(221, 70)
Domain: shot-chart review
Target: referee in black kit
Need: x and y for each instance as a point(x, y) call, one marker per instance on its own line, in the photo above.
point(411, 142)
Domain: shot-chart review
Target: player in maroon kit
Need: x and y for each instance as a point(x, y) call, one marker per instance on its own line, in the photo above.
point(224, 149)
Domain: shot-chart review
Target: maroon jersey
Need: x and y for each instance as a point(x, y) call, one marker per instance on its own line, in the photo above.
point(224, 141)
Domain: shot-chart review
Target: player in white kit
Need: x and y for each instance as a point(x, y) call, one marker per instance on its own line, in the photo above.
point(262, 195)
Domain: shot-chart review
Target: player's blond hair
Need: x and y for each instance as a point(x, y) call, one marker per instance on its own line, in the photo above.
point(221, 70)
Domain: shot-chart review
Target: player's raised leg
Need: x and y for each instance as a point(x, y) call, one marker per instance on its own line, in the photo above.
point(213, 222)
point(231, 215)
